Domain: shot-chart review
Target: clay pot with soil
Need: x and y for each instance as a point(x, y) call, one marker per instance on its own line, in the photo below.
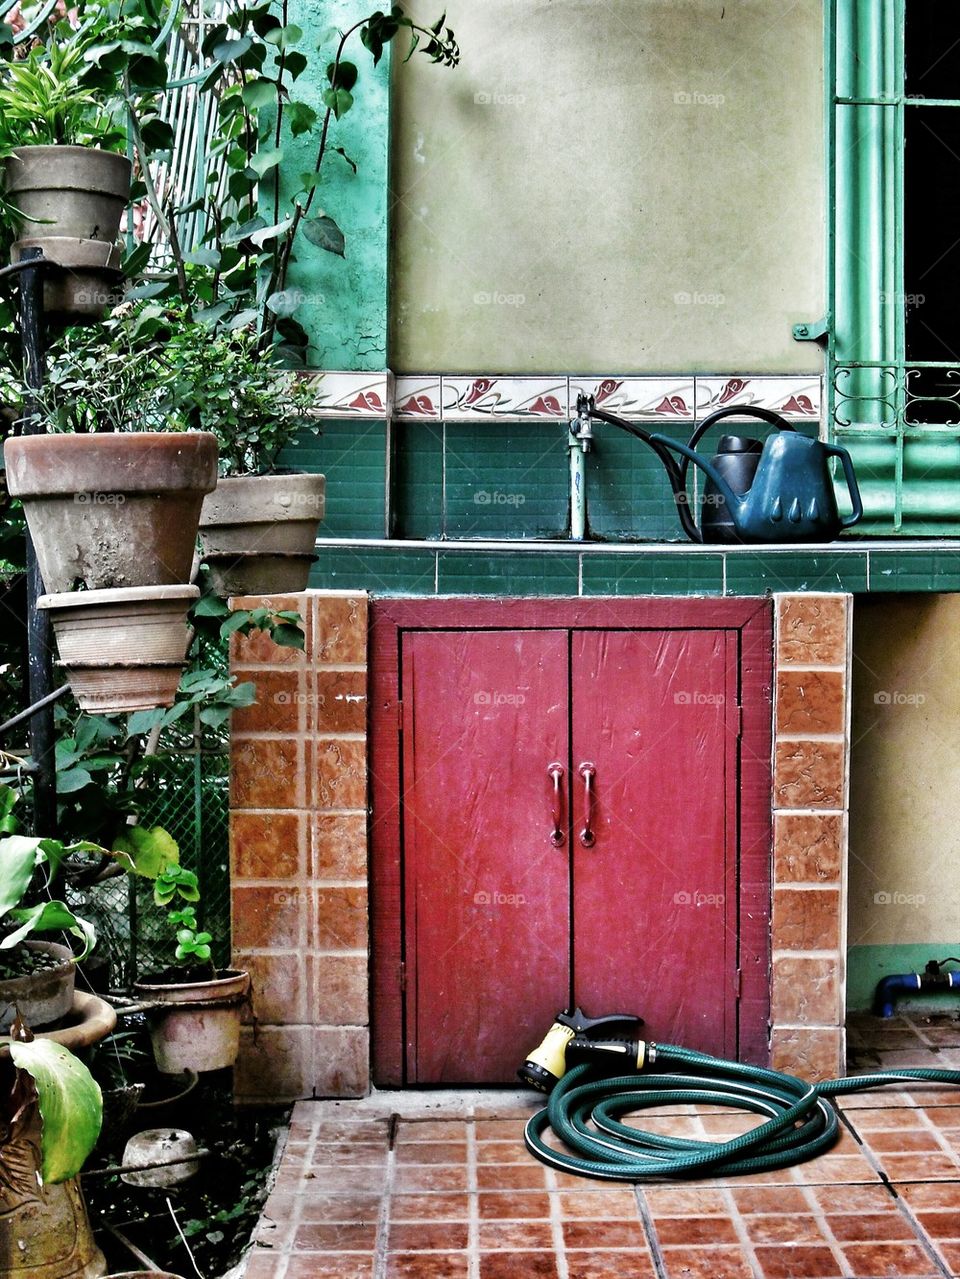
point(43, 993)
point(194, 1021)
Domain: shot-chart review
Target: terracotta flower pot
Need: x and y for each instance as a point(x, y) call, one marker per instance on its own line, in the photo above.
point(90, 279)
point(112, 510)
point(198, 1028)
point(259, 532)
point(88, 1020)
point(79, 192)
point(42, 997)
point(122, 650)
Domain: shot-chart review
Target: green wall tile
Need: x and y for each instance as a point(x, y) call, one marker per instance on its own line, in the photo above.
point(755, 572)
point(418, 479)
point(645, 573)
point(915, 570)
point(508, 573)
point(352, 455)
point(378, 571)
point(506, 479)
point(628, 493)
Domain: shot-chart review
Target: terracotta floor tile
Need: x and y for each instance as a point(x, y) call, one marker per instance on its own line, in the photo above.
point(610, 1265)
point(432, 1152)
point(935, 1096)
point(346, 1179)
point(888, 1259)
point(516, 1206)
point(598, 1207)
point(517, 1265)
point(680, 1201)
point(875, 1099)
point(834, 1168)
point(945, 1194)
point(871, 1226)
point(324, 1237)
point(790, 1228)
point(420, 1265)
point(676, 1125)
point(500, 1129)
point(920, 1167)
point(358, 1130)
point(429, 1207)
point(512, 1235)
point(901, 1141)
point(673, 1231)
point(843, 1199)
point(511, 1177)
point(326, 1266)
point(865, 1121)
point(350, 1153)
point(503, 1152)
point(340, 1209)
point(431, 1130)
point(951, 1255)
point(416, 1178)
point(944, 1224)
point(798, 1263)
point(767, 1199)
point(706, 1263)
point(612, 1234)
point(567, 1181)
point(428, 1236)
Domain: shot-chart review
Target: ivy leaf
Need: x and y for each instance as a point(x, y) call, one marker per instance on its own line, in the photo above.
point(295, 64)
point(342, 75)
point(72, 779)
point(338, 100)
point(264, 161)
point(203, 257)
point(325, 234)
point(287, 636)
point(231, 50)
point(284, 37)
point(302, 118)
point(285, 302)
point(259, 93)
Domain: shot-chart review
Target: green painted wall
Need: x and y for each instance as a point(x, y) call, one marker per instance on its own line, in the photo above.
point(904, 799)
point(345, 311)
point(867, 964)
point(624, 185)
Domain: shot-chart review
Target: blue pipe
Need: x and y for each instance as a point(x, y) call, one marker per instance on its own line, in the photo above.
point(901, 983)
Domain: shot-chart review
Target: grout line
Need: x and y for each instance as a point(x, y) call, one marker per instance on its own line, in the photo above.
point(820, 1217)
point(383, 1216)
point(473, 1236)
point(650, 1230)
point(556, 1224)
point(740, 1229)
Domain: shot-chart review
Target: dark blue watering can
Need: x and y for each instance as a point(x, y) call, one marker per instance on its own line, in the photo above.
point(780, 490)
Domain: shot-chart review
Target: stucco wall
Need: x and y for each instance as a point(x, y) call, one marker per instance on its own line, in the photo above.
point(615, 184)
point(904, 804)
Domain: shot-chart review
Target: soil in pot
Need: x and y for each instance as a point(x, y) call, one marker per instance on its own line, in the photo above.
point(36, 978)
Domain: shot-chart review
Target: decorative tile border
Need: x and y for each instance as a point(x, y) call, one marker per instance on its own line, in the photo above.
point(482, 397)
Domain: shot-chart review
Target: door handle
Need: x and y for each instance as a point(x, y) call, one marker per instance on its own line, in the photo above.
point(588, 772)
point(555, 772)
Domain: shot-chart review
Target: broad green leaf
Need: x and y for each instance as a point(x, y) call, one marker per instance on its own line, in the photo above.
point(210, 606)
point(203, 257)
point(264, 161)
point(261, 236)
point(51, 917)
point(71, 1106)
point(296, 64)
point(146, 850)
point(70, 780)
point(287, 636)
point(141, 722)
point(325, 234)
point(19, 857)
point(338, 100)
point(284, 37)
point(231, 50)
point(259, 93)
point(342, 75)
point(286, 302)
point(301, 117)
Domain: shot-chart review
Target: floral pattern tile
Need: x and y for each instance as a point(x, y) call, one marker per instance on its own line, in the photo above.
point(353, 394)
point(794, 397)
point(472, 398)
point(418, 396)
point(638, 397)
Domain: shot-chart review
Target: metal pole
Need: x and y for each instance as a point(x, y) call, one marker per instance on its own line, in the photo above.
point(39, 647)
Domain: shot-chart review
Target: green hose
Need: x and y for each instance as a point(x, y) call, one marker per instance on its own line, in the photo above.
point(800, 1123)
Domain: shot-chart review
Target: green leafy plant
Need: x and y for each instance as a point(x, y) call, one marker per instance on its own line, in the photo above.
point(47, 98)
point(22, 861)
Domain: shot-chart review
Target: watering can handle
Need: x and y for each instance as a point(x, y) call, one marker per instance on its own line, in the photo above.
point(737, 410)
point(846, 461)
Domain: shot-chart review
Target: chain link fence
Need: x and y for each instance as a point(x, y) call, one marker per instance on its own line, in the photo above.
point(189, 798)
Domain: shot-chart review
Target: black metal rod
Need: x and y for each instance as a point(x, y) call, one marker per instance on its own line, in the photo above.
point(34, 709)
point(39, 647)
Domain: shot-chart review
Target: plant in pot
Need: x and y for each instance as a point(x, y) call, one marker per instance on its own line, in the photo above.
point(236, 280)
point(66, 174)
point(194, 1009)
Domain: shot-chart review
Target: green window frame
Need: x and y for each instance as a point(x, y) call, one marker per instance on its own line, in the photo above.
point(909, 468)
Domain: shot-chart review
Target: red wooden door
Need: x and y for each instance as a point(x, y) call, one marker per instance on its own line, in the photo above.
point(654, 898)
point(487, 908)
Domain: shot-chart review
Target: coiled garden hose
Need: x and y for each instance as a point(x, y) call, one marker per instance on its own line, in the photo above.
point(800, 1122)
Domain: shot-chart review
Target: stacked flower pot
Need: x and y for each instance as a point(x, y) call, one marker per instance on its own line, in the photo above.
point(113, 516)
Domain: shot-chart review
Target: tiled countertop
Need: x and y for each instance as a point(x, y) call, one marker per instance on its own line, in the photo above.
point(395, 567)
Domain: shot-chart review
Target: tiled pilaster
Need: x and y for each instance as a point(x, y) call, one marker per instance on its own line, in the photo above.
point(810, 802)
point(298, 853)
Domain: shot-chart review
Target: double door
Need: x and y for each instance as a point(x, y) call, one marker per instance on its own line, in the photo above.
point(568, 821)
